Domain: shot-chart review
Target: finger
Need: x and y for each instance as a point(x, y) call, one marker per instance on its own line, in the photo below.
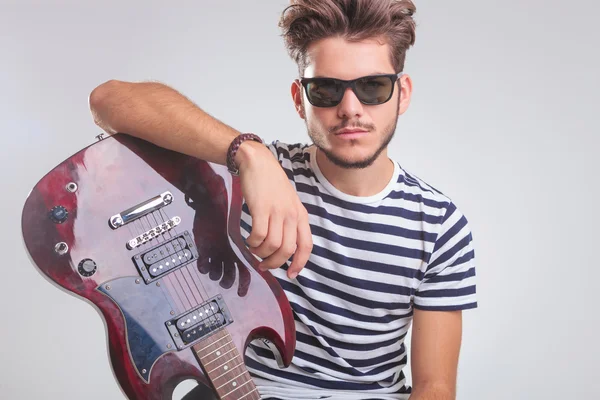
point(260, 228)
point(304, 245)
point(273, 239)
point(285, 250)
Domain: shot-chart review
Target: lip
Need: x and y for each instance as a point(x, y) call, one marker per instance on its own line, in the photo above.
point(350, 133)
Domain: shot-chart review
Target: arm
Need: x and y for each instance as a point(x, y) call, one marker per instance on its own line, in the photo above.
point(161, 115)
point(436, 340)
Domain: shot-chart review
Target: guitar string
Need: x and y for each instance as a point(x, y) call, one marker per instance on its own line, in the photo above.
point(211, 326)
point(179, 254)
point(161, 239)
point(140, 226)
point(201, 291)
point(145, 247)
point(194, 269)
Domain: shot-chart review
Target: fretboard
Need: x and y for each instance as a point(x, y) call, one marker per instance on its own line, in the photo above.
point(225, 367)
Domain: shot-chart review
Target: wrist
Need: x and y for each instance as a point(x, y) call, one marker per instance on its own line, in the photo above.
point(242, 149)
point(247, 151)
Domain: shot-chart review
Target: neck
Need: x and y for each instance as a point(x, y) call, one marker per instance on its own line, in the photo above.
point(224, 367)
point(362, 182)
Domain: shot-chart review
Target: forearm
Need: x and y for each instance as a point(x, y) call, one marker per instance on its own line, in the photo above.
point(161, 115)
point(432, 393)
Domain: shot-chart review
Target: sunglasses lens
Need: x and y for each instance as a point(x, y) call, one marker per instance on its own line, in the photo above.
point(324, 92)
point(374, 90)
point(328, 92)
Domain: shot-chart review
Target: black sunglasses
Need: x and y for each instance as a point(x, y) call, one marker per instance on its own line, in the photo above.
point(370, 90)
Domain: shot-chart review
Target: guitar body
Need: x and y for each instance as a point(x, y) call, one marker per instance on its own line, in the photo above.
point(151, 238)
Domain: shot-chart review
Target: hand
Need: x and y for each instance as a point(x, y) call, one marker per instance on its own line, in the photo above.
point(280, 226)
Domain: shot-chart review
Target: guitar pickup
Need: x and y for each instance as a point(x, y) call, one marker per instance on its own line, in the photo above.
point(199, 322)
point(166, 257)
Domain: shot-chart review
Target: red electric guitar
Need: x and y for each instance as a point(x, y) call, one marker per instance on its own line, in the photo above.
point(151, 238)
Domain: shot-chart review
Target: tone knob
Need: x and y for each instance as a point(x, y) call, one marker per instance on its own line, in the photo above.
point(87, 267)
point(59, 214)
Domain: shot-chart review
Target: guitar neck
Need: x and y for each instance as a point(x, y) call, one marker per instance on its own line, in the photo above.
point(225, 367)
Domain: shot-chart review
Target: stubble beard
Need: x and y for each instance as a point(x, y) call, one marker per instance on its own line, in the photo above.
point(317, 137)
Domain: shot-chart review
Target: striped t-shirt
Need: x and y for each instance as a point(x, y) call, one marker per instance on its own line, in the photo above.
point(374, 259)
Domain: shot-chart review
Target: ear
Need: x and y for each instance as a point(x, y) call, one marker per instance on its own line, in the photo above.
point(297, 92)
point(406, 86)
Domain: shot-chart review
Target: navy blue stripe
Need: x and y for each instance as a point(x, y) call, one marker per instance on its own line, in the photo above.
point(456, 249)
point(386, 358)
point(368, 246)
point(349, 371)
point(458, 307)
point(366, 209)
point(417, 198)
point(330, 308)
point(348, 345)
point(369, 265)
point(261, 352)
point(307, 173)
point(414, 181)
point(361, 301)
point(296, 149)
point(364, 226)
point(319, 383)
point(343, 329)
point(466, 291)
point(440, 241)
point(457, 277)
point(289, 173)
point(312, 341)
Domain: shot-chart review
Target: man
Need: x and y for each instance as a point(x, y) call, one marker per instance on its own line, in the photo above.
point(362, 247)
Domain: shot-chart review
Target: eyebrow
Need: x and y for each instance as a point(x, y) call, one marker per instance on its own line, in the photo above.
point(370, 74)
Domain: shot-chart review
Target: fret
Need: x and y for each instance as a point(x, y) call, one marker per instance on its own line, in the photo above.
point(255, 391)
point(231, 380)
point(206, 347)
point(217, 350)
point(224, 365)
point(237, 388)
point(230, 377)
point(227, 373)
point(223, 355)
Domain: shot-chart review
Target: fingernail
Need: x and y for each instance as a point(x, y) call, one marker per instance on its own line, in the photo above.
point(293, 275)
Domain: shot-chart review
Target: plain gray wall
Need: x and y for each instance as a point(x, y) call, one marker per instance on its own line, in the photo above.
point(504, 120)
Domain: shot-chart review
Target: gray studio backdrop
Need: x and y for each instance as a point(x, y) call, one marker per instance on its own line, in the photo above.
point(504, 120)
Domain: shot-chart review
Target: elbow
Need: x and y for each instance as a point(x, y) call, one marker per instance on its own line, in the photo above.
point(100, 100)
point(101, 94)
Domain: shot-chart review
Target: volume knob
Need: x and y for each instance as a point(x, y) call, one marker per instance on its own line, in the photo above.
point(87, 267)
point(59, 214)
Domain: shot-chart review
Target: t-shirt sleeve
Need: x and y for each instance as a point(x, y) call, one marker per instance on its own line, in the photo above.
point(287, 155)
point(449, 280)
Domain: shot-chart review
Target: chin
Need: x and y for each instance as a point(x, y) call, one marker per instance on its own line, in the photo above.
point(350, 158)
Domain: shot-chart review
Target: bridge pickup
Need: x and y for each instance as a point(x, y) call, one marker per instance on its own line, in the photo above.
point(200, 322)
point(139, 210)
point(166, 257)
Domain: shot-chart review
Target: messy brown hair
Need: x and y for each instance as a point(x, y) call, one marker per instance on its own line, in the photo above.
point(306, 21)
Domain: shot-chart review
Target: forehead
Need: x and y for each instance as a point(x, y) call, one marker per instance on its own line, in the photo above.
point(338, 58)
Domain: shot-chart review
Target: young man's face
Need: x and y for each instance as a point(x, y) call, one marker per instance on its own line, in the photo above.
point(338, 58)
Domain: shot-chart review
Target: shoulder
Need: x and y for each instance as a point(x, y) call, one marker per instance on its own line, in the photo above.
point(288, 151)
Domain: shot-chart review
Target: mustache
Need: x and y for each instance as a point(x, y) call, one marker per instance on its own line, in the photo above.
point(355, 125)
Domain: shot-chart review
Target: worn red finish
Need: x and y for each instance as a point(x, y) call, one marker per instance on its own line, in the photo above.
point(115, 174)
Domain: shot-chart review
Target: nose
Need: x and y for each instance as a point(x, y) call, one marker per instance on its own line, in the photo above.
point(350, 106)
